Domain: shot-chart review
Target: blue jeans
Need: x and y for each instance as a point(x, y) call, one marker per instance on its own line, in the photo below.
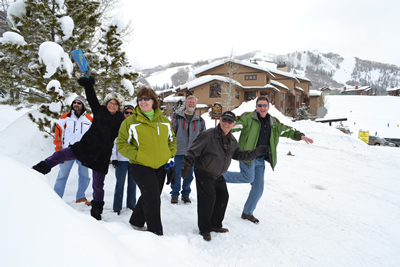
point(253, 174)
point(61, 181)
point(120, 174)
point(186, 182)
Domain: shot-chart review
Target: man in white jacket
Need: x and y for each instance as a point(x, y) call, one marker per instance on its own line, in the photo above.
point(70, 128)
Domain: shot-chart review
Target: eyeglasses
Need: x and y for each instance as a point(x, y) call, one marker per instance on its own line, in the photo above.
point(228, 120)
point(113, 104)
point(143, 98)
point(262, 105)
point(76, 103)
point(128, 112)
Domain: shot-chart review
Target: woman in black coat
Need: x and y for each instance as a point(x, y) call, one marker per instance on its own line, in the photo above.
point(95, 147)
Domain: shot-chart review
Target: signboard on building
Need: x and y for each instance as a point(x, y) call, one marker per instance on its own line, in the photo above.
point(216, 111)
point(363, 136)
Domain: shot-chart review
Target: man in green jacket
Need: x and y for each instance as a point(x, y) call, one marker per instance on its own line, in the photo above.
point(259, 128)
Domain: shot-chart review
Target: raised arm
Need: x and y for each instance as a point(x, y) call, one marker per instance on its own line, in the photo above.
point(88, 83)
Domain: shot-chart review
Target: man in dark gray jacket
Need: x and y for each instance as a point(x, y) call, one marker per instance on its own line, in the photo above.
point(187, 126)
point(211, 155)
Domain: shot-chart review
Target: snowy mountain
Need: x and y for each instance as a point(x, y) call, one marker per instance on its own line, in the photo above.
point(323, 69)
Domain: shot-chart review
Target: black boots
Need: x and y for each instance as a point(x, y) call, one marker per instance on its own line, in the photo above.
point(97, 209)
point(42, 167)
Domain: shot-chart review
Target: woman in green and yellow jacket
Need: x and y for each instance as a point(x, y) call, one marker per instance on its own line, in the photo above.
point(146, 138)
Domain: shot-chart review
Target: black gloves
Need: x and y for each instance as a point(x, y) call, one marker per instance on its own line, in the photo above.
point(185, 172)
point(86, 82)
point(260, 150)
point(114, 163)
point(170, 170)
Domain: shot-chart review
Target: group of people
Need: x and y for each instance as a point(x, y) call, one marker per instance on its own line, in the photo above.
point(141, 141)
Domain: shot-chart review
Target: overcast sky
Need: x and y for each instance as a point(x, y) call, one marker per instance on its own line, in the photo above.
point(188, 31)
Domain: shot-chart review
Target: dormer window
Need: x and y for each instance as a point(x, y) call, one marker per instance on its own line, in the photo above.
point(250, 77)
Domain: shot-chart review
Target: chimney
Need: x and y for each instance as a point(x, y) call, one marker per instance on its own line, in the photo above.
point(282, 66)
point(344, 88)
point(356, 86)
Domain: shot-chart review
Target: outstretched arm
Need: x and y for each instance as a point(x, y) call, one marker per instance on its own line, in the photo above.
point(307, 140)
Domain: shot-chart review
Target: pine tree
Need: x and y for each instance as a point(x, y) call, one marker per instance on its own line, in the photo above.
point(21, 71)
point(115, 73)
point(304, 113)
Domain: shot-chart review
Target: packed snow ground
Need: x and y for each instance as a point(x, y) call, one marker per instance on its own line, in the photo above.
point(334, 203)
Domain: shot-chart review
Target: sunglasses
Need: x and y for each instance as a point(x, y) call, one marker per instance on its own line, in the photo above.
point(143, 98)
point(262, 105)
point(227, 120)
point(128, 112)
point(113, 104)
point(77, 103)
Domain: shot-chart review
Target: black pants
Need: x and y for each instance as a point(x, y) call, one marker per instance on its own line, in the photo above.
point(150, 182)
point(212, 200)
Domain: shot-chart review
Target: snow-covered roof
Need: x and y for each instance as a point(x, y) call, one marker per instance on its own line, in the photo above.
point(165, 91)
point(393, 89)
point(281, 85)
point(205, 79)
point(239, 62)
point(300, 77)
point(361, 88)
point(299, 89)
point(201, 106)
point(286, 74)
point(173, 99)
point(208, 78)
point(267, 86)
point(315, 93)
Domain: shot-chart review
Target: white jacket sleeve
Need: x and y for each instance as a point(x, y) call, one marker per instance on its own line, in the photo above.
point(114, 155)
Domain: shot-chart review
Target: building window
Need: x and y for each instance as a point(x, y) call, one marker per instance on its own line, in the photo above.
point(237, 93)
point(297, 98)
point(249, 95)
point(281, 97)
point(250, 77)
point(215, 90)
point(264, 94)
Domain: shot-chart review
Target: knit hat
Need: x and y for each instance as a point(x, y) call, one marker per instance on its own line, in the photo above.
point(80, 99)
point(113, 95)
point(128, 107)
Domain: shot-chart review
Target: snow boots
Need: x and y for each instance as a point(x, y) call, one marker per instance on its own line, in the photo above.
point(42, 167)
point(97, 209)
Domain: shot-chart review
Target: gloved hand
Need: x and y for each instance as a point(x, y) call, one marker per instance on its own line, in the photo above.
point(114, 163)
point(171, 175)
point(86, 82)
point(260, 150)
point(185, 172)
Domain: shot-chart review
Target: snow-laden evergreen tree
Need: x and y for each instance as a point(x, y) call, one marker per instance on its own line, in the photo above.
point(115, 73)
point(303, 113)
point(67, 24)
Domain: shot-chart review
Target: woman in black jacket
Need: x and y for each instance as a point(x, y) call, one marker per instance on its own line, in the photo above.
point(95, 147)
